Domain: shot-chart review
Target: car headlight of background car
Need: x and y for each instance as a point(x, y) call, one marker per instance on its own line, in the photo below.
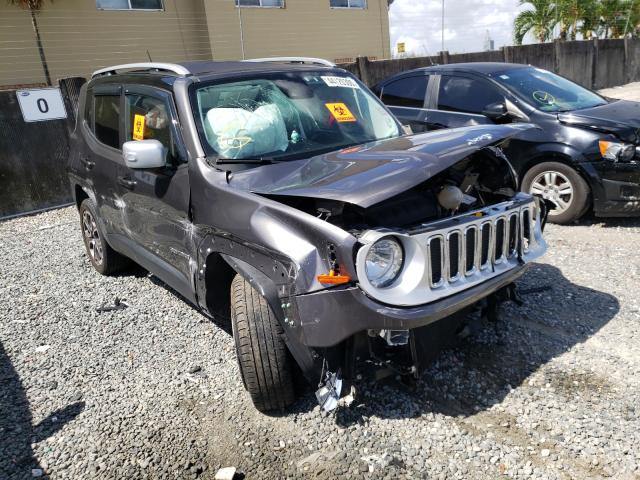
point(383, 262)
point(617, 152)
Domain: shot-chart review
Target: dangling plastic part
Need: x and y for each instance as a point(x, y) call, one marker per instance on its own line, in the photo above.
point(329, 392)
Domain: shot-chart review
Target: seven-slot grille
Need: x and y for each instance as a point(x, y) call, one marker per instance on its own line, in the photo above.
point(478, 246)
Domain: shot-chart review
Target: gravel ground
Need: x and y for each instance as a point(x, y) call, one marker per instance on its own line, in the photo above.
point(153, 391)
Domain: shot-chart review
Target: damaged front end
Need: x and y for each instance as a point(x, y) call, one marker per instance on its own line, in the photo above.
point(440, 231)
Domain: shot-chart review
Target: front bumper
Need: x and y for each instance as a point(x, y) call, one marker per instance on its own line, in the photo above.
point(616, 188)
point(331, 316)
point(621, 199)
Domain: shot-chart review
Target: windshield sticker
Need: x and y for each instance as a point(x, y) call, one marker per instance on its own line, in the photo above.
point(138, 127)
point(544, 97)
point(340, 112)
point(341, 82)
point(504, 77)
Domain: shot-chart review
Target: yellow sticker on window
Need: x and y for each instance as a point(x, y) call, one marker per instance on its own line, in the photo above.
point(138, 127)
point(340, 112)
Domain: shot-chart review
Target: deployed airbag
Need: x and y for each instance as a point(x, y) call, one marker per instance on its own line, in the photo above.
point(241, 133)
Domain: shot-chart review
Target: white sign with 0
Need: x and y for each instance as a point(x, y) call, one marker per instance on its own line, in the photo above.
point(41, 104)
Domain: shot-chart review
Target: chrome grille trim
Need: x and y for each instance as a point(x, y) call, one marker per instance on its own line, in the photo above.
point(475, 251)
point(440, 239)
point(416, 286)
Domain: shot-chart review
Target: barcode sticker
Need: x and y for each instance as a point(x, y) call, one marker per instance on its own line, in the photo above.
point(345, 82)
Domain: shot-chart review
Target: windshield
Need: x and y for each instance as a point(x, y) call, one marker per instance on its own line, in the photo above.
point(288, 116)
point(548, 92)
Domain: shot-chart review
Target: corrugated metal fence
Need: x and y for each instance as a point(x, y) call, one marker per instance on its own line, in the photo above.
point(33, 156)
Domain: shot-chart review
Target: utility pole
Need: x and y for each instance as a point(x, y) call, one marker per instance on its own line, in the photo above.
point(442, 26)
point(239, 6)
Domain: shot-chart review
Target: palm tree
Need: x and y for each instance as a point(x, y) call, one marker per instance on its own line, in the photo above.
point(34, 6)
point(539, 19)
point(590, 13)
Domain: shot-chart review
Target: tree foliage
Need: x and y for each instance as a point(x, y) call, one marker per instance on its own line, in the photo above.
point(571, 19)
point(34, 5)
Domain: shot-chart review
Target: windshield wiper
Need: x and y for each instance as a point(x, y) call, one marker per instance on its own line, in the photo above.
point(252, 161)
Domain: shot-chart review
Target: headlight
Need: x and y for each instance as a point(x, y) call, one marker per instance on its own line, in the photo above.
point(384, 262)
point(617, 152)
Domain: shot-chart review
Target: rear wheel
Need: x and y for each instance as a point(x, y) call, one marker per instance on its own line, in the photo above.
point(265, 363)
point(563, 186)
point(103, 258)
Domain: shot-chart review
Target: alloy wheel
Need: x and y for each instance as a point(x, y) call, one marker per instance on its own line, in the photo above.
point(92, 237)
point(556, 187)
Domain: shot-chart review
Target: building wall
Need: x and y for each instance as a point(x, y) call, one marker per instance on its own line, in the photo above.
point(78, 39)
point(303, 28)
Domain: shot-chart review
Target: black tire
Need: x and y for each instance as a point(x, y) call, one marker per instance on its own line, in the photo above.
point(265, 363)
point(576, 204)
point(103, 258)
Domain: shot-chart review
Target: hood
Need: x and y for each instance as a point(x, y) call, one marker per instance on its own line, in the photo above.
point(371, 173)
point(620, 118)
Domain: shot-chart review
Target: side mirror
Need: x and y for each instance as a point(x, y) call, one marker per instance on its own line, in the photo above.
point(496, 111)
point(144, 154)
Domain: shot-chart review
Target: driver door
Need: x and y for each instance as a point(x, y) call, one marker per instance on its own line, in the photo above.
point(155, 202)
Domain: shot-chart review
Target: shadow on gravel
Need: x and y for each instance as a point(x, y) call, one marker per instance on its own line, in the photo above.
point(17, 432)
point(481, 370)
point(612, 222)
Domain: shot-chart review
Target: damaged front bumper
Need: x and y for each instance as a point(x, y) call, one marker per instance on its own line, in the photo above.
point(331, 316)
point(477, 254)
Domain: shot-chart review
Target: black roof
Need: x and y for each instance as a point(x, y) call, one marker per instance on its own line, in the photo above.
point(483, 68)
point(486, 68)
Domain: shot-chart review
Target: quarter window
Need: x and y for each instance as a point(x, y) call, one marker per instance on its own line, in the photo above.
point(406, 92)
point(348, 3)
point(468, 95)
point(129, 5)
point(107, 119)
point(260, 3)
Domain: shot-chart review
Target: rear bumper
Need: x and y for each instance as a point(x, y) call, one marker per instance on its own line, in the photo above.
point(331, 316)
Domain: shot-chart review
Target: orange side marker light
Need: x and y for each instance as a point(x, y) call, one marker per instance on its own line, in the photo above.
point(333, 279)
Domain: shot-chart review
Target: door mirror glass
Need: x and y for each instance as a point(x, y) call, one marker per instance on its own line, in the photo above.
point(144, 154)
point(496, 111)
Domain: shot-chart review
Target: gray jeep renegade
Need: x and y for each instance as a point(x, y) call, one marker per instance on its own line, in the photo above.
point(285, 198)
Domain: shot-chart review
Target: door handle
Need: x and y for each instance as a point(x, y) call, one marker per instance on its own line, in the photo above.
point(127, 182)
point(88, 164)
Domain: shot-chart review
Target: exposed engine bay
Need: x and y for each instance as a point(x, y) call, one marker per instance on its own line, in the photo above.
point(481, 179)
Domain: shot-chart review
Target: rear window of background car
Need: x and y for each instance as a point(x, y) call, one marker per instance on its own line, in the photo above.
point(406, 92)
point(468, 95)
point(107, 119)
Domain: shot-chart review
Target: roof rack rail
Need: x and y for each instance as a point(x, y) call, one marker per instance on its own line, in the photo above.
point(311, 60)
point(144, 66)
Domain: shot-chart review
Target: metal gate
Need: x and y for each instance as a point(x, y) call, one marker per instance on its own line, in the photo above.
point(33, 156)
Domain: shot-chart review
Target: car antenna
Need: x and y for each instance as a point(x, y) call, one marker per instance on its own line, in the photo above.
point(149, 55)
point(424, 45)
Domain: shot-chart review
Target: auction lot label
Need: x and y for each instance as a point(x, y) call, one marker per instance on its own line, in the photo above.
point(41, 104)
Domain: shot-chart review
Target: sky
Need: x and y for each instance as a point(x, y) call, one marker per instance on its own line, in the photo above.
point(418, 24)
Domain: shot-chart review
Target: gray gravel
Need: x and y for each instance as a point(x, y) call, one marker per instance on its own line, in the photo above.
point(153, 391)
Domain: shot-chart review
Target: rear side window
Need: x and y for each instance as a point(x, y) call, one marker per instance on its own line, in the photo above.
point(406, 92)
point(468, 95)
point(107, 119)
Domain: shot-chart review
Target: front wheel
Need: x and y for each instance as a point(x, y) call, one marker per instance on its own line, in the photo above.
point(265, 363)
point(563, 186)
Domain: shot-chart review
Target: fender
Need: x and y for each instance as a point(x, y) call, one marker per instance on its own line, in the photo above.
point(293, 337)
point(540, 150)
